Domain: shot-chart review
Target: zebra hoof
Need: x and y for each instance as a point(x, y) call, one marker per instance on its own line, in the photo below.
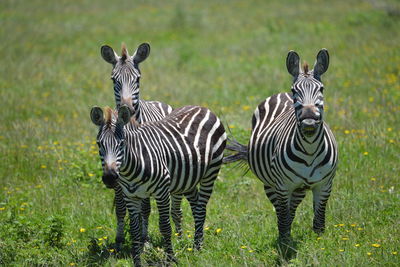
point(319, 230)
point(118, 246)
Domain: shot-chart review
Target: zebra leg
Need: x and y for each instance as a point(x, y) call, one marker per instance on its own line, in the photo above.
point(281, 204)
point(320, 198)
point(134, 208)
point(163, 205)
point(176, 213)
point(284, 219)
point(205, 191)
point(120, 212)
point(295, 200)
point(146, 208)
point(193, 198)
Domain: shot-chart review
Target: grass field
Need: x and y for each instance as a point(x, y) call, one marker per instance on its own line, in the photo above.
point(228, 56)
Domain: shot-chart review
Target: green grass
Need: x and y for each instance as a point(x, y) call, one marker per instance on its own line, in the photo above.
point(228, 56)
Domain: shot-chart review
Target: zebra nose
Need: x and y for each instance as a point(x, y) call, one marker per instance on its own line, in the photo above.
point(110, 178)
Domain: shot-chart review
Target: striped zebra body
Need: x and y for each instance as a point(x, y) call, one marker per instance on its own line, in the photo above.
point(179, 155)
point(126, 78)
point(292, 149)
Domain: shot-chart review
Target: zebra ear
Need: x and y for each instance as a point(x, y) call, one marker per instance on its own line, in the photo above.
point(96, 114)
point(322, 63)
point(293, 63)
point(108, 54)
point(142, 52)
point(124, 115)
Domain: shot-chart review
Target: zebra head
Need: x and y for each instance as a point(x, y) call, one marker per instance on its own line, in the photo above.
point(111, 140)
point(307, 91)
point(126, 74)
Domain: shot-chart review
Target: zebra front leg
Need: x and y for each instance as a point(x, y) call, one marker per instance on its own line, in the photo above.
point(120, 212)
point(146, 209)
point(284, 219)
point(134, 208)
point(320, 198)
point(295, 200)
point(176, 213)
point(280, 200)
point(163, 205)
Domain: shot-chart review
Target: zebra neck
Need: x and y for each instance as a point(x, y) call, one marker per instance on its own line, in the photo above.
point(309, 145)
point(131, 160)
point(137, 106)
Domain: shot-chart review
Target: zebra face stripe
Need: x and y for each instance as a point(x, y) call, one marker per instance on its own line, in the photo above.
point(111, 144)
point(126, 76)
point(308, 104)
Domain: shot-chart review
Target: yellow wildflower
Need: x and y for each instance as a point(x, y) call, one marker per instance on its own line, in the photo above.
point(341, 250)
point(369, 253)
point(111, 250)
point(345, 238)
point(365, 153)
point(360, 229)
point(218, 230)
point(394, 252)
point(251, 251)
point(357, 245)
point(2, 208)
point(373, 179)
point(243, 247)
point(189, 249)
point(346, 131)
point(322, 248)
point(90, 174)
point(82, 230)
point(376, 245)
point(43, 166)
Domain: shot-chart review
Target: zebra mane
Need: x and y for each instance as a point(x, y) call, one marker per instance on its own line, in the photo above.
point(305, 68)
point(124, 54)
point(108, 115)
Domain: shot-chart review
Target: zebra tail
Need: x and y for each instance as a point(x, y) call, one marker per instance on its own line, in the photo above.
point(235, 146)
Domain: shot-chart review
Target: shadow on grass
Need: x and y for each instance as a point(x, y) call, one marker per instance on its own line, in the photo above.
point(286, 251)
point(98, 253)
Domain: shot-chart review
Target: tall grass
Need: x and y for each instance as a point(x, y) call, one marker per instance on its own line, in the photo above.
point(228, 56)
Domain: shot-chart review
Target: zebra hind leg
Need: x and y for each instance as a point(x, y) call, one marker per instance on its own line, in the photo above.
point(120, 212)
point(193, 198)
point(205, 191)
point(176, 213)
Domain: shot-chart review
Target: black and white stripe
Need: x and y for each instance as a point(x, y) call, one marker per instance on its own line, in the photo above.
point(291, 148)
point(179, 155)
point(126, 78)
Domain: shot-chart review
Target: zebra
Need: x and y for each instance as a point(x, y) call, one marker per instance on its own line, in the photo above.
point(126, 76)
point(291, 148)
point(178, 155)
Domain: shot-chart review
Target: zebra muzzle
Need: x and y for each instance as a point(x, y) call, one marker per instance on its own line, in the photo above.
point(309, 127)
point(110, 178)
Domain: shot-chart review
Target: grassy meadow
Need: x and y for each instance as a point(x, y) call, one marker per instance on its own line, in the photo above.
point(225, 55)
